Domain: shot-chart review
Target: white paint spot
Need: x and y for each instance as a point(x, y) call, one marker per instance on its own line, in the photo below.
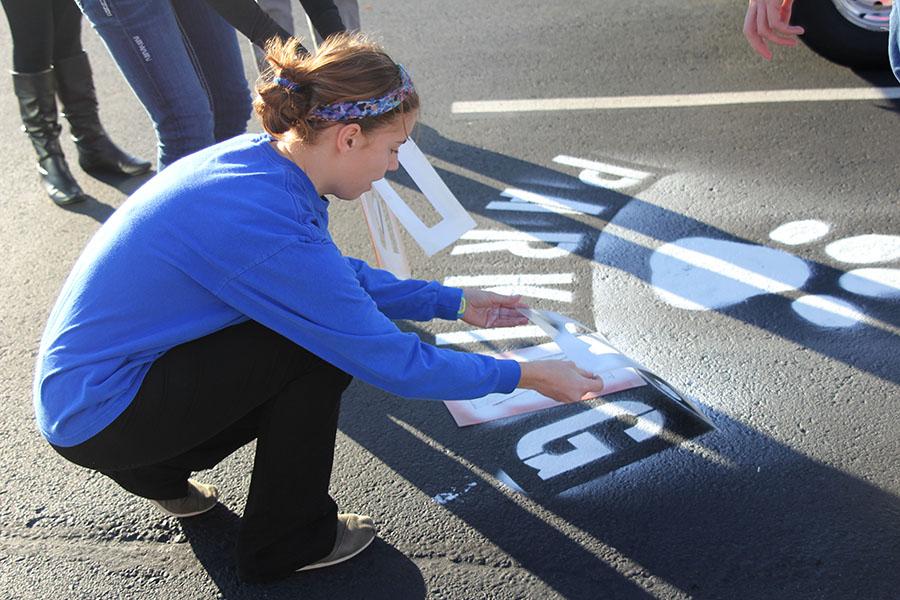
point(445, 497)
point(827, 311)
point(865, 249)
point(799, 232)
point(872, 282)
point(704, 273)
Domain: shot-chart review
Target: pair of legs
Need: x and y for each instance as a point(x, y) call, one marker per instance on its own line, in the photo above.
point(281, 13)
point(203, 400)
point(48, 61)
point(183, 62)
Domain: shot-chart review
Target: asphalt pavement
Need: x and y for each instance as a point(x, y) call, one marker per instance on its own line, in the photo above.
point(746, 252)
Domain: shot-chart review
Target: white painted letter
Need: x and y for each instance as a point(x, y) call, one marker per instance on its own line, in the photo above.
point(587, 447)
point(591, 173)
point(519, 243)
point(522, 201)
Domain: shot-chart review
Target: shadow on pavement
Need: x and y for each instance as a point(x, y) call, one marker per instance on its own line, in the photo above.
point(745, 516)
point(381, 571)
point(100, 211)
point(125, 184)
point(881, 78)
point(868, 350)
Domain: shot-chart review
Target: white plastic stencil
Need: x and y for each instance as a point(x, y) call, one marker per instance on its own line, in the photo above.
point(456, 221)
point(613, 367)
point(390, 253)
point(592, 352)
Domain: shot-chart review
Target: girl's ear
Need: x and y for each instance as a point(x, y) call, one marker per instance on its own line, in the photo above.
point(349, 137)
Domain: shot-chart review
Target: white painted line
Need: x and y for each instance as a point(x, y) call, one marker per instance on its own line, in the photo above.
point(599, 167)
point(827, 311)
point(532, 291)
point(525, 279)
point(523, 236)
point(530, 202)
point(487, 335)
point(677, 100)
point(530, 285)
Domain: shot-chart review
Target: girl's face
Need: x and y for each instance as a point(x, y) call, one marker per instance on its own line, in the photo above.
point(375, 155)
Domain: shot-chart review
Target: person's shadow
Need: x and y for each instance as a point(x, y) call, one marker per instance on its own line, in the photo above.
point(740, 516)
point(100, 211)
point(381, 571)
point(766, 311)
point(883, 79)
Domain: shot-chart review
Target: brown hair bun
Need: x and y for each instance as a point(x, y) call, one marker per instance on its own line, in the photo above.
point(346, 67)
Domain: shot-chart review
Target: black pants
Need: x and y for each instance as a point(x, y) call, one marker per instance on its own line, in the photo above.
point(43, 32)
point(203, 400)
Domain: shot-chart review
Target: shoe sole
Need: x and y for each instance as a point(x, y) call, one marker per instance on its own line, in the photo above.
point(339, 560)
point(183, 515)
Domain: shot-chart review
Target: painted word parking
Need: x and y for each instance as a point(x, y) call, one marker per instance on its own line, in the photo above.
point(549, 239)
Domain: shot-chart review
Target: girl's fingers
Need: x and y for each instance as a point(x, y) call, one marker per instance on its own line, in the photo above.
point(752, 34)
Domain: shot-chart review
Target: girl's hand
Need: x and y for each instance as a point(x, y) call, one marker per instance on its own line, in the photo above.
point(769, 21)
point(487, 309)
point(561, 380)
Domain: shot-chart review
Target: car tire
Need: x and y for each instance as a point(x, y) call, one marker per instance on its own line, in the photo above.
point(830, 34)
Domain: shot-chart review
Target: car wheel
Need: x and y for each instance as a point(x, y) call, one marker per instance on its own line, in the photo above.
point(849, 32)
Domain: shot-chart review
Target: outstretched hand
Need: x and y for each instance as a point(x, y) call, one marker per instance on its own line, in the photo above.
point(487, 309)
point(769, 21)
point(561, 380)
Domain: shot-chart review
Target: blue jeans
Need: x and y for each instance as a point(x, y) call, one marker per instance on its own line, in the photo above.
point(183, 62)
point(894, 40)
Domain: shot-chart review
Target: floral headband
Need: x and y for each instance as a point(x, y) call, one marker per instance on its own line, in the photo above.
point(357, 109)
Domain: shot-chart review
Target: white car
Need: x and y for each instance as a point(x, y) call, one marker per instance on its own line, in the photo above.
point(850, 32)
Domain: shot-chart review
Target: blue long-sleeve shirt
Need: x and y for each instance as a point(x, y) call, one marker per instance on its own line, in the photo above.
point(232, 233)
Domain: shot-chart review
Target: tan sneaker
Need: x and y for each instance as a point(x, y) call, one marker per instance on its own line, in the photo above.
point(201, 498)
point(354, 534)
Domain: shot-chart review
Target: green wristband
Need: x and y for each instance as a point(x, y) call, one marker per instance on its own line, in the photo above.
point(462, 308)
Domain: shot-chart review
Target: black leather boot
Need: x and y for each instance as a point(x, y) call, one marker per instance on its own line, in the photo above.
point(37, 104)
point(96, 152)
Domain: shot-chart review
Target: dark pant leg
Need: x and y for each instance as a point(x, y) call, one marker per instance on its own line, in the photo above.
point(31, 27)
point(202, 400)
point(167, 479)
point(66, 29)
point(288, 499)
